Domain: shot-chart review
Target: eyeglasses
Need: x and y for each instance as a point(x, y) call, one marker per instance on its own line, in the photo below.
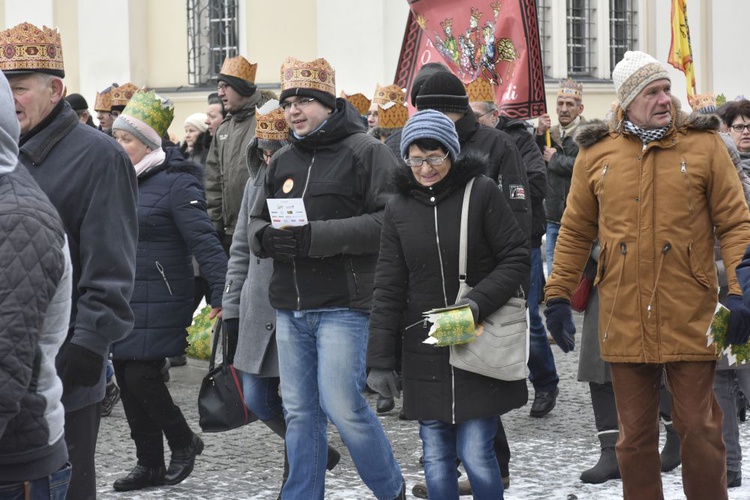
point(263, 155)
point(299, 103)
point(739, 127)
point(221, 86)
point(433, 161)
point(478, 116)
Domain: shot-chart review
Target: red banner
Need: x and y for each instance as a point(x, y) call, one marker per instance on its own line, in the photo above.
point(494, 40)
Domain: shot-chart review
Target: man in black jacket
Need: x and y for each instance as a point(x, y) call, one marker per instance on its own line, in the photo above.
point(91, 183)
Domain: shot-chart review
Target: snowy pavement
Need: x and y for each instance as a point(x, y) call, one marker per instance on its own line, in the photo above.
point(548, 454)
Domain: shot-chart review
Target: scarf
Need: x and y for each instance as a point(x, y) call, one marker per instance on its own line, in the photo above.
point(646, 135)
point(151, 160)
point(567, 130)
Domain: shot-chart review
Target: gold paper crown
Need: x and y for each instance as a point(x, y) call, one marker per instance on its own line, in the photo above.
point(359, 101)
point(104, 100)
point(570, 88)
point(389, 93)
point(239, 67)
point(121, 95)
point(28, 48)
point(271, 126)
point(152, 109)
point(703, 102)
point(480, 90)
point(316, 75)
point(393, 116)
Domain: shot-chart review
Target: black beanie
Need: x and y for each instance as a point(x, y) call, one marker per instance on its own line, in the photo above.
point(443, 92)
point(77, 102)
point(326, 99)
point(242, 87)
point(422, 75)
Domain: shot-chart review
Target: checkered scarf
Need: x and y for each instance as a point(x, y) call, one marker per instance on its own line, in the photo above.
point(646, 135)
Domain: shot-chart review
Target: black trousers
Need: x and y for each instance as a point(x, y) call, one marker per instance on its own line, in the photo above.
point(81, 431)
point(150, 411)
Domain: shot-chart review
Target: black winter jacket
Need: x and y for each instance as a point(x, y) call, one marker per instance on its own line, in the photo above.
point(341, 173)
point(418, 270)
point(91, 182)
point(173, 226)
point(559, 171)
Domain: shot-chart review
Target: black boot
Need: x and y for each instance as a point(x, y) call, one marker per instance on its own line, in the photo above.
point(606, 468)
point(384, 404)
point(670, 455)
point(141, 477)
point(183, 461)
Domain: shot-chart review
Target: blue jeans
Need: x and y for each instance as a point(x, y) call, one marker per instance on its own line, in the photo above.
point(52, 487)
point(473, 442)
point(262, 396)
point(322, 368)
point(542, 369)
point(553, 229)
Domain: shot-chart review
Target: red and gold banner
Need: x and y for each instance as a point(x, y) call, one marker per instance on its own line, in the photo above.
point(494, 40)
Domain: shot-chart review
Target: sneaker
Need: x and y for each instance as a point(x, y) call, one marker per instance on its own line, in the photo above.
point(111, 397)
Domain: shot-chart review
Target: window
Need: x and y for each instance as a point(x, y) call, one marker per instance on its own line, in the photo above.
point(623, 26)
point(581, 38)
point(545, 37)
point(212, 37)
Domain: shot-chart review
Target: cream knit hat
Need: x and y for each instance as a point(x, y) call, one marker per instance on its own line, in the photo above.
point(633, 73)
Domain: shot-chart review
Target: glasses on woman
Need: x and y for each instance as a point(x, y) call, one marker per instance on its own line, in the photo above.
point(739, 127)
point(433, 161)
point(265, 155)
point(299, 103)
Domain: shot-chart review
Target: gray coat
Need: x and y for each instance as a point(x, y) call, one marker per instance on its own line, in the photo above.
point(246, 290)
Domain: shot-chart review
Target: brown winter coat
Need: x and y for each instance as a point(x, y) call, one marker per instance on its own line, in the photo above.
point(654, 212)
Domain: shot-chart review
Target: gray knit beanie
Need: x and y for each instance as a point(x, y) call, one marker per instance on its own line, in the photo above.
point(431, 124)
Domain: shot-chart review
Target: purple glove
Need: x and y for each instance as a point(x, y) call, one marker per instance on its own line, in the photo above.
point(560, 323)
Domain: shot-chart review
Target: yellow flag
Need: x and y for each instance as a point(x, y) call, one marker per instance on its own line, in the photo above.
point(680, 53)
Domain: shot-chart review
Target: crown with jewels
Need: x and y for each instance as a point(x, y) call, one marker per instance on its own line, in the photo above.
point(316, 75)
point(239, 67)
point(389, 93)
point(26, 48)
point(152, 109)
point(272, 126)
point(359, 101)
point(103, 101)
point(392, 115)
point(570, 88)
point(480, 90)
point(447, 23)
point(121, 95)
point(704, 103)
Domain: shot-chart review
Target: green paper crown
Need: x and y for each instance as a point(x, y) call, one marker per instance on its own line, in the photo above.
point(152, 109)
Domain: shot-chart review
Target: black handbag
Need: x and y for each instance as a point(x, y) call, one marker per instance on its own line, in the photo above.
point(221, 400)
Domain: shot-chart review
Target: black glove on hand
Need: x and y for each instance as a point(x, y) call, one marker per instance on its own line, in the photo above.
point(279, 244)
point(384, 382)
point(302, 235)
point(739, 320)
point(81, 367)
point(560, 323)
point(472, 305)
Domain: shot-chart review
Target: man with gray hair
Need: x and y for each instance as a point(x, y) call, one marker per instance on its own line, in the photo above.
point(655, 186)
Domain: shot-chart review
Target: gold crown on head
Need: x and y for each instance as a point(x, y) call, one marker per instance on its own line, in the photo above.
point(271, 126)
point(392, 115)
point(480, 90)
point(360, 102)
point(121, 95)
point(28, 48)
point(703, 102)
point(239, 67)
point(104, 99)
point(316, 75)
point(389, 93)
point(570, 88)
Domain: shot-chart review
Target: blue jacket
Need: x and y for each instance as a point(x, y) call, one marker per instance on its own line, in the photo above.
point(172, 226)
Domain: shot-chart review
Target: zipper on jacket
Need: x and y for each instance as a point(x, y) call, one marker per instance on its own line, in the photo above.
point(623, 252)
point(683, 170)
point(228, 287)
point(294, 261)
point(160, 268)
point(666, 248)
point(354, 276)
point(440, 257)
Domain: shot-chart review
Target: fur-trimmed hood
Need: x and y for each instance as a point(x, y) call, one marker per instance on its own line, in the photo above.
point(467, 166)
point(594, 130)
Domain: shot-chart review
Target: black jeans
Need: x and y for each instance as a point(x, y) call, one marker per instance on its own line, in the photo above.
point(150, 411)
point(81, 431)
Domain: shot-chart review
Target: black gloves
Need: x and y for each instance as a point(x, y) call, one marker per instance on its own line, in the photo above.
point(279, 244)
point(302, 235)
point(739, 320)
point(560, 323)
point(80, 367)
point(473, 306)
point(384, 382)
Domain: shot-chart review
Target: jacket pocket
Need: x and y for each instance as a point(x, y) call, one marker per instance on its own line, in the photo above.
point(163, 274)
point(686, 180)
point(601, 265)
point(696, 267)
point(330, 188)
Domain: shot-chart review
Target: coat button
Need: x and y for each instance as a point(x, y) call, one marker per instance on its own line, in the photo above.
point(432, 199)
point(269, 326)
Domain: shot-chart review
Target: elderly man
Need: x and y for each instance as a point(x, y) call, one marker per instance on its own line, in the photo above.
point(655, 186)
point(91, 183)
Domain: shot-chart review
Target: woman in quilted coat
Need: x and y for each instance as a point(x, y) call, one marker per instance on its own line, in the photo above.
point(172, 226)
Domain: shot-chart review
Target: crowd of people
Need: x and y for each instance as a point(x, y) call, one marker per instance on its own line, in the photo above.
point(113, 235)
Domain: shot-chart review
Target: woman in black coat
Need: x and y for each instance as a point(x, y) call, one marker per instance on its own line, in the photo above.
point(417, 271)
point(172, 226)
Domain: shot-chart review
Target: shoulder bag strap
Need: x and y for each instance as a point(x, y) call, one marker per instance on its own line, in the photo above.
point(464, 241)
point(214, 347)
